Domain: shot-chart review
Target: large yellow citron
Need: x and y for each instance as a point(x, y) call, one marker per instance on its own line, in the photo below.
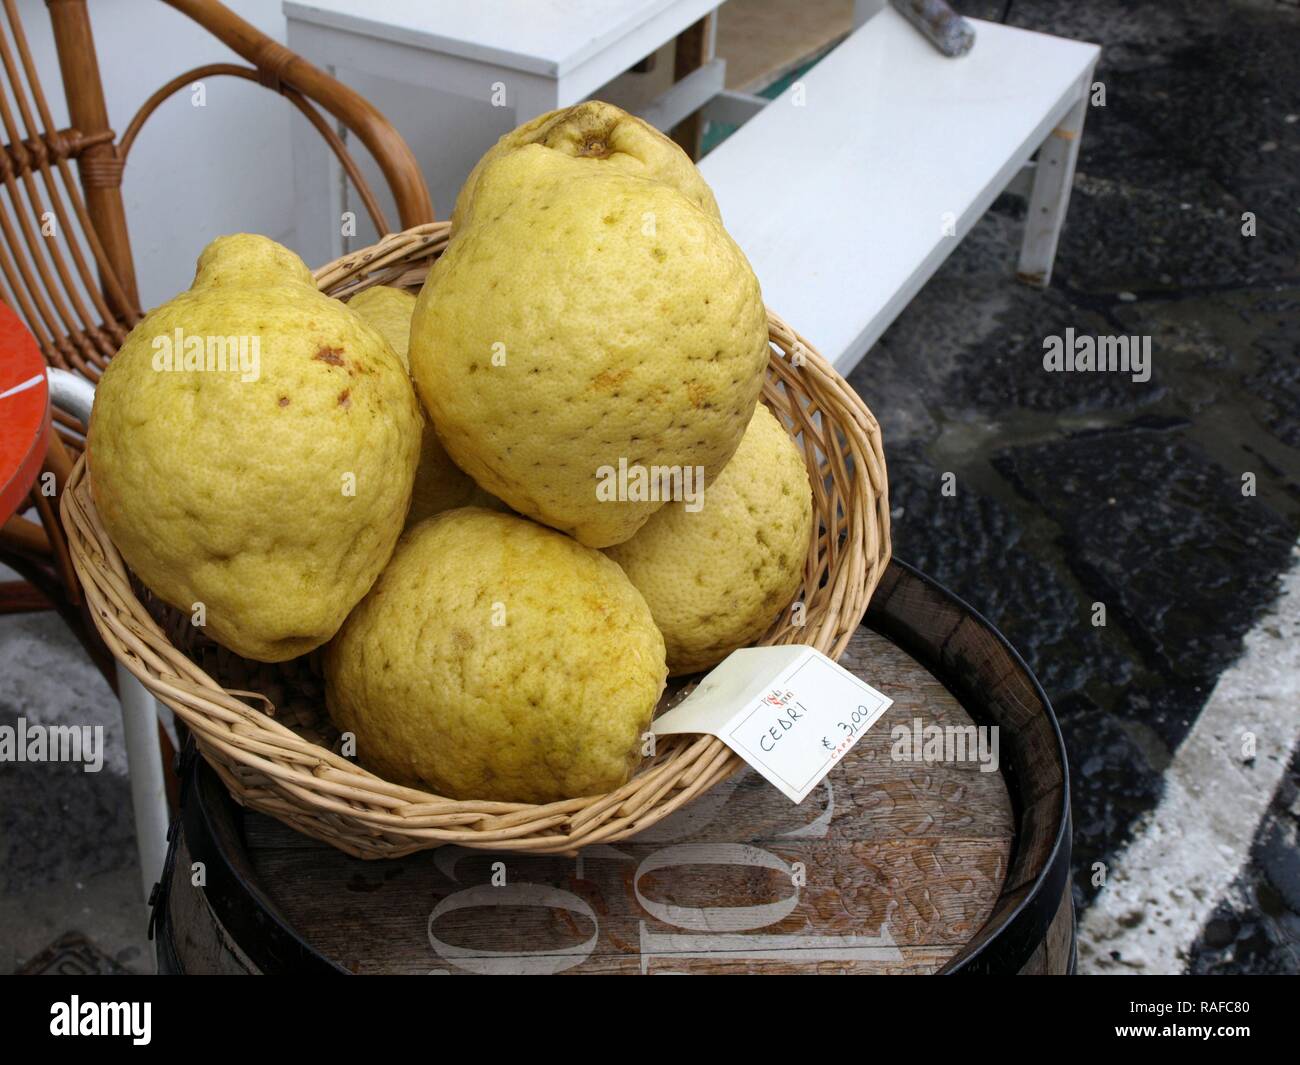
point(439, 483)
point(262, 496)
point(497, 659)
point(716, 576)
point(590, 315)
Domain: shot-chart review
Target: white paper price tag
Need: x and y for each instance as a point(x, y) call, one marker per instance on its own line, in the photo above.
point(789, 711)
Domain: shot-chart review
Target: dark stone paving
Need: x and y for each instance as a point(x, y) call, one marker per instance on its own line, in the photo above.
point(1155, 529)
point(67, 840)
point(73, 954)
point(55, 802)
point(1076, 489)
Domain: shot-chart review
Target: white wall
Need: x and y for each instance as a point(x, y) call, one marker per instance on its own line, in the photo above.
point(195, 172)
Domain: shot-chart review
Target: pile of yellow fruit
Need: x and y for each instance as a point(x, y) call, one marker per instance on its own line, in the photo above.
point(585, 497)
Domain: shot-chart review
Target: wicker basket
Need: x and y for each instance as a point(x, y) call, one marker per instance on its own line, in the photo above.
point(264, 727)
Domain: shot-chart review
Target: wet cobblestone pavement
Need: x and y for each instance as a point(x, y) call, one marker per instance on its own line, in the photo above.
point(1074, 489)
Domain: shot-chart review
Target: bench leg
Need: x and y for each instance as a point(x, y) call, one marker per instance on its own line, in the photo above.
point(694, 48)
point(1050, 196)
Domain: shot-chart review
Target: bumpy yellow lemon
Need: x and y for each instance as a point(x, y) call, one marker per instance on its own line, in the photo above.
point(497, 659)
point(588, 327)
point(389, 311)
point(597, 130)
point(717, 577)
point(252, 450)
point(439, 483)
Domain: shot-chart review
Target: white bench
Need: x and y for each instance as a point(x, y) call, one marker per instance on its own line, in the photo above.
point(846, 192)
point(850, 188)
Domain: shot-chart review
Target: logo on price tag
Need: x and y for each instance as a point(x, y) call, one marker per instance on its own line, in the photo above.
point(789, 711)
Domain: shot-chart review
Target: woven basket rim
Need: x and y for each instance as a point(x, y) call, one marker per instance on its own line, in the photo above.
point(269, 767)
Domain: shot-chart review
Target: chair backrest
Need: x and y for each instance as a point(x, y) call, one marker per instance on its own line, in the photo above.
point(65, 259)
point(65, 254)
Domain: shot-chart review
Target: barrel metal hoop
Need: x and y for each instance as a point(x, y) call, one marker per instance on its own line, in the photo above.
point(1008, 948)
point(243, 909)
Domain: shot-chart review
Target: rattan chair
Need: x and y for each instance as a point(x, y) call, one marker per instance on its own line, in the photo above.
point(77, 291)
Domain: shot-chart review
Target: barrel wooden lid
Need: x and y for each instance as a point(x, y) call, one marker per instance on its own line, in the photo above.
point(889, 866)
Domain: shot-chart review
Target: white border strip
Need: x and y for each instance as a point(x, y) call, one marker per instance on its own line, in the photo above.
point(1186, 854)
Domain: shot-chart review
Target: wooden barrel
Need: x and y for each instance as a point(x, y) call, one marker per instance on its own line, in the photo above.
point(918, 854)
